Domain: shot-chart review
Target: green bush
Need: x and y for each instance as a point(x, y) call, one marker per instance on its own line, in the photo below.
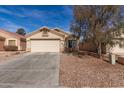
point(11, 48)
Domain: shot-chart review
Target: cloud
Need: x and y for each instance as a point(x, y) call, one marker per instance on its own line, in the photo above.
point(9, 12)
point(36, 13)
point(22, 12)
point(32, 17)
point(3, 10)
point(10, 26)
point(45, 14)
point(32, 13)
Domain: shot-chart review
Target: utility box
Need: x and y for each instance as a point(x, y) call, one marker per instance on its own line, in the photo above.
point(112, 58)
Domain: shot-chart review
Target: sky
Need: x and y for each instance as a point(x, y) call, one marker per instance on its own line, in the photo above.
point(34, 17)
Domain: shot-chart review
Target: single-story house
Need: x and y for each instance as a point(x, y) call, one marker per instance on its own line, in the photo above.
point(12, 39)
point(50, 40)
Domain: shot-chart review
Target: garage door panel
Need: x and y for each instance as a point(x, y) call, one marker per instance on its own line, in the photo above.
point(45, 46)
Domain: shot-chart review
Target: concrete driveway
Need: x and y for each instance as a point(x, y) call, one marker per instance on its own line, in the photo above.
point(31, 70)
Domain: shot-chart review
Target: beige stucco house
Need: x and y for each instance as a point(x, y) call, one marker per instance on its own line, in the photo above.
point(48, 40)
point(11, 39)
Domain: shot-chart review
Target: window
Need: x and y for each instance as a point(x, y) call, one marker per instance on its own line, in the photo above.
point(72, 43)
point(11, 42)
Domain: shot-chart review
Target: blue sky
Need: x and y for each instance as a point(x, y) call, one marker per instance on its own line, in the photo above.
point(33, 17)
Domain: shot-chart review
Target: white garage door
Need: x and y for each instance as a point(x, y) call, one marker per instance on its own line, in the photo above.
point(45, 45)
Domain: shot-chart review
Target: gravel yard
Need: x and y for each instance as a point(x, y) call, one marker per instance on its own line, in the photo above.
point(8, 55)
point(89, 71)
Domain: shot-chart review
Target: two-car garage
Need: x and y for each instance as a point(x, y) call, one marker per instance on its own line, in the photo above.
point(46, 40)
point(45, 45)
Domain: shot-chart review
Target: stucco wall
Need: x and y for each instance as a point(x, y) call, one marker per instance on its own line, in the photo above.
point(22, 45)
point(118, 50)
point(39, 36)
point(89, 46)
point(10, 37)
point(50, 36)
point(1, 45)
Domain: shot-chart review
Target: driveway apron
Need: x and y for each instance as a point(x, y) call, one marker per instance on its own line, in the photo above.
point(31, 70)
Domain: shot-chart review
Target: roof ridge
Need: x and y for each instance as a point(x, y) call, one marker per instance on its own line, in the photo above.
point(56, 28)
point(45, 27)
point(37, 30)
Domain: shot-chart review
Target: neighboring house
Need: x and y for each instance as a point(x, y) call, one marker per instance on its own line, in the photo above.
point(117, 49)
point(12, 39)
point(49, 40)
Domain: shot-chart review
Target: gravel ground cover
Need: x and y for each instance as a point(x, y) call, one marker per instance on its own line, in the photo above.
point(8, 55)
point(89, 71)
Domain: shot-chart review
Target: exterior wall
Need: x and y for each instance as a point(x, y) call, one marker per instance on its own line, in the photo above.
point(28, 46)
point(7, 41)
point(9, 37)
point(2, 45)
point(89, 46)
point(17, 42)
point(105, 49)
point(39, 36)
point(22, 46)
point(118, 50)
point(50, 36)
point(62, 45)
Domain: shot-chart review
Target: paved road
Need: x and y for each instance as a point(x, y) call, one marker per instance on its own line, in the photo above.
point(31, 70)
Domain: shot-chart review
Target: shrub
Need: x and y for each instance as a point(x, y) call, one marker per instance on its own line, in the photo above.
point(2, 38)
point(11, 48)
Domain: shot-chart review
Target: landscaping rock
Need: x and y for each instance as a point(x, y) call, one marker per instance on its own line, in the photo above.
point(89, 71)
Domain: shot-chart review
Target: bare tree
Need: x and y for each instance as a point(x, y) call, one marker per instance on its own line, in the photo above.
point(98, 24)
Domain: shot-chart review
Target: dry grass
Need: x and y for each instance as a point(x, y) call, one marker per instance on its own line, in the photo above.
point(89, 72)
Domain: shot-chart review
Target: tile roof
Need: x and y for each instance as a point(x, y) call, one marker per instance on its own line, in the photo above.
point(12, 33)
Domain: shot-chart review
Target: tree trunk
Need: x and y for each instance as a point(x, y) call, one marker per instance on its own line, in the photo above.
point(99, 51)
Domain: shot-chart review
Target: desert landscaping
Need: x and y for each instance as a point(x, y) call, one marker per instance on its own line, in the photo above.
point(89, 71)
point(73, 46)
point(9, 55)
